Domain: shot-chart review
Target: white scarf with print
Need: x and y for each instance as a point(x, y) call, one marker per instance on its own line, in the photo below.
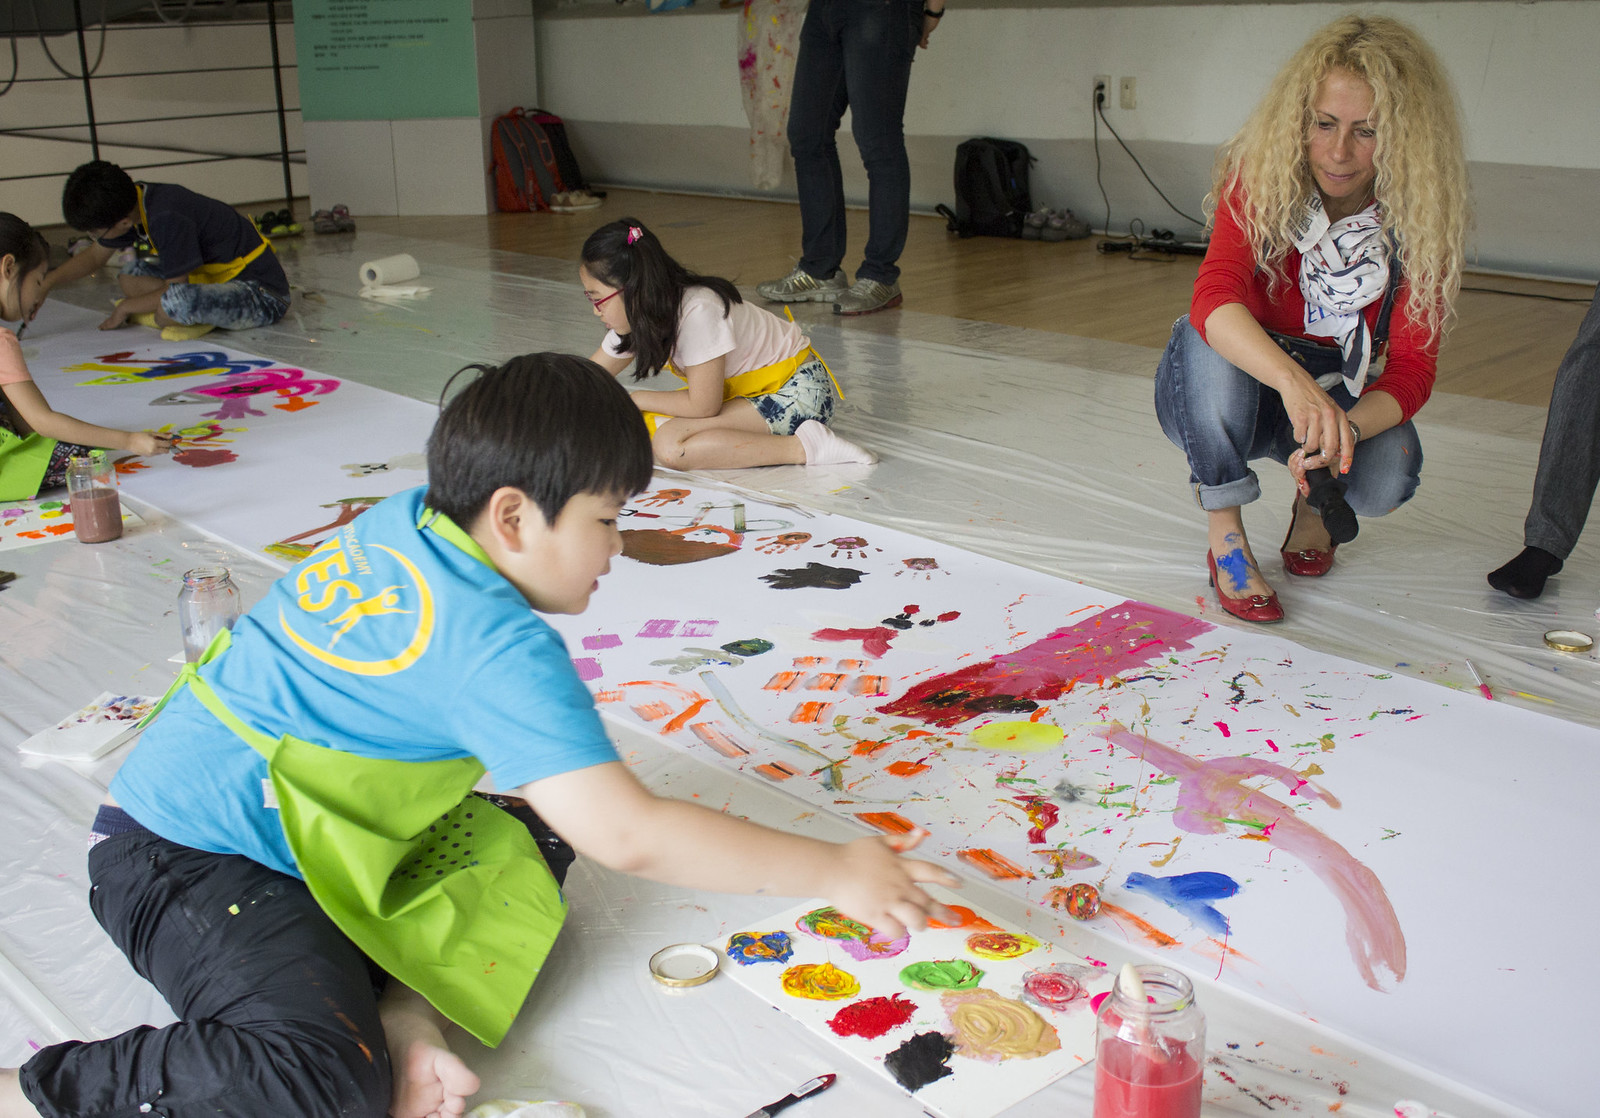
point(1344, 267)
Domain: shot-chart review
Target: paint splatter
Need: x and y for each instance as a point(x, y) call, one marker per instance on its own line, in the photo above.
point(1042, 814)
point(1000, 945)
point(1190, 894)
point(820, 982)
point(746, 948)
point(817, 576)
point(920, 1061)
point(1017, 737)
point(993, 863)
point(941, 974)
point(1125, 636)
point(1211, 792)
point(870, 1018)
point(1060, 861)
point(750, 646)
point(992, 1028)
point(964, 918)
point(1056, 987)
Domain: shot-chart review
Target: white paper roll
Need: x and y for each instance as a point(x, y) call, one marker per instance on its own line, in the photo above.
point(390, 269)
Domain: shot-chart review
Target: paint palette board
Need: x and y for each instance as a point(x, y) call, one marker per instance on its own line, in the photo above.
point(271, 457)
point(25, 523)
point(1265, 815)
point(970, 1020)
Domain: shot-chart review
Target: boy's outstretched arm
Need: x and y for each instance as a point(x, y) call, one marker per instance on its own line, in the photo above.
point(607, 815)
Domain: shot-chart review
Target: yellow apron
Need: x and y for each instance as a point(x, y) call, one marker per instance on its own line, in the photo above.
point(752, 382)
point(443, 890)
point(207, 273)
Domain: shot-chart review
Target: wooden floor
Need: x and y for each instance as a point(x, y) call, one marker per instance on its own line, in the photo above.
point(1503, 347)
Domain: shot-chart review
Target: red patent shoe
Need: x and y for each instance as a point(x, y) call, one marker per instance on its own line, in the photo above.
point(1259, 608)
point(1313, 562)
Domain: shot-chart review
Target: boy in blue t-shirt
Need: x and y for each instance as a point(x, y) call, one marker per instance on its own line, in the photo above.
point(290, 853)
point(212, 266)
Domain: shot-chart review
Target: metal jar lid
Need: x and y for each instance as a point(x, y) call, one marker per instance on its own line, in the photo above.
point(684, 964)
point(1568, 640)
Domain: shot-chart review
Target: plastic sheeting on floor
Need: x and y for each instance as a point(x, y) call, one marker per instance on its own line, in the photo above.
point(1040, 449)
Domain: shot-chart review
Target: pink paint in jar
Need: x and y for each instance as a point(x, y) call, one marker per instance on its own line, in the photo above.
point(92, 492)
point(1149, 1047)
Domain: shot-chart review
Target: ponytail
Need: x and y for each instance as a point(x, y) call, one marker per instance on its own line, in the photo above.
point(624, 254)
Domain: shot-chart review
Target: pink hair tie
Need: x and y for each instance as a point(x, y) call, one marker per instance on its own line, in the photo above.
point(634, 234)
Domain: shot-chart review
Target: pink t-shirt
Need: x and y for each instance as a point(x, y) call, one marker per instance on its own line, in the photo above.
point(12, 368)
point(748, 336)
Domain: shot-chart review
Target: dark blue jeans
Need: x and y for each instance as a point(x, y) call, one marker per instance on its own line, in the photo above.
point(235, 305)
point(855, 54)
point(1222, 418)
point(1569, 457)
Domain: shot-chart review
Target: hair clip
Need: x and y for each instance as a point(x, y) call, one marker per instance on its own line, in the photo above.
point(635, 234)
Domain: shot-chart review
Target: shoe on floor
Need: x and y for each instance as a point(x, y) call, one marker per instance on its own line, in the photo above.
point(866, 296)
point(800, 286)
point(1063, 225)
point(824, 448)
point(1313, 562)
point(1259, 608)
point(1033, 225)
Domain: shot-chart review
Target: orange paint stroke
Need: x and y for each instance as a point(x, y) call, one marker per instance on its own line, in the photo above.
point(682, 720)
point(852, 665)
point(810, 711)
point(965, 918)
point(871, 685)
point(906, 768)
point(783, 681)
point(996, 865)
point(810, 661)
point(653, 712)
point(1154, 934)
point(610, 696)
point(868, 748)
point(826, 681)
point(776, 770)
point(716, 739)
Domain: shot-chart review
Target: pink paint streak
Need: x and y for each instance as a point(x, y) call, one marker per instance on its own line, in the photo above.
point(1125, 636)
point(1214, 790)
point(874, 641)
point(1041, 813)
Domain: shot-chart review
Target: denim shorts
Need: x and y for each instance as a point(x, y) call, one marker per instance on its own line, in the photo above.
point(236, 305)
point(806, 395)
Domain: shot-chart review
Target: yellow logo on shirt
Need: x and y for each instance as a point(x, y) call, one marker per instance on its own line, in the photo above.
point(321, 590)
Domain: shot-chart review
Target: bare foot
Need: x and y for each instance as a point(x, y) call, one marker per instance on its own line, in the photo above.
point(430, 1081)
point(1307, 532)
point(1237, 573)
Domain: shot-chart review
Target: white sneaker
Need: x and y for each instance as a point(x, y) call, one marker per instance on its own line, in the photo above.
point(824, 448)
point(800, 286)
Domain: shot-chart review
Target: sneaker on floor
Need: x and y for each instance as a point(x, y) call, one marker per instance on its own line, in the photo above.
point(1033, 225)
point(800, 286)
point(1064, 225)
point(824, 448)
point(866, 296)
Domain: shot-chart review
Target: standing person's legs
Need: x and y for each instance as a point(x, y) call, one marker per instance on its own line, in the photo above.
point(880, 40)
point(1569, 467)
point(816, 106)
point(278, 1014)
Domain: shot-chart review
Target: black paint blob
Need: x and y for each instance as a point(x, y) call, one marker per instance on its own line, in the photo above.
point(818, 575)
point(920, 1060)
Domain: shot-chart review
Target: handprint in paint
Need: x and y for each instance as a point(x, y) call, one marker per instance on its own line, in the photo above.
point(783, 541)
point(921, 568)
point(848, 547)
point(663, 497)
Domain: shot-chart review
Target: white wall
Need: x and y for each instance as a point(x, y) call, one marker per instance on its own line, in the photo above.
point(1525, 73)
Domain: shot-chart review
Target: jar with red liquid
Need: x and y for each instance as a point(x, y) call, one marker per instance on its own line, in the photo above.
point(92, 492)
point(1149, 1047)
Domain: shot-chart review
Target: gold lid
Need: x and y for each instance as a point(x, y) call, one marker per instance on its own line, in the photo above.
point(1568, 640)
point(684, 964)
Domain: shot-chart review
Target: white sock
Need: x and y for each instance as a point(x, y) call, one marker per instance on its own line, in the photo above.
point(824, 448)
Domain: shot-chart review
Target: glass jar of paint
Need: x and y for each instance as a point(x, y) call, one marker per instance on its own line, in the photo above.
point(92, 492)
point(207, 604)
point(1149, 1047)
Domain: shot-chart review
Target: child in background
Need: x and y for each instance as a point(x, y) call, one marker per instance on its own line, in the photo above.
point(756, 392)
point(212, 266)
point(313, 912)
point(35, 440)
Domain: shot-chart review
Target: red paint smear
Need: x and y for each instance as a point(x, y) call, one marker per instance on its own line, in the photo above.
point(1125, 636)
point(199, 457)
point(874, 641)
point(906, 768)
point(872, 1017)
point(1210, 792)
point(1273, 745)
point(1041, 813)
point(1223, 726)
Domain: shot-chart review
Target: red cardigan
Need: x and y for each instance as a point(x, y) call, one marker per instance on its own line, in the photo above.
point(1229, 275)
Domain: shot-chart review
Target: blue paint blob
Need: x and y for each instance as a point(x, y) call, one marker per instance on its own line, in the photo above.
point(1189, 893)
point(1236, 567)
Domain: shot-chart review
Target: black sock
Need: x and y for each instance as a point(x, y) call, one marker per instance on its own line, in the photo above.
point(1524, 576)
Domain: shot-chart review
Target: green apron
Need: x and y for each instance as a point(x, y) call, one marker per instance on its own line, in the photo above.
point(443, 890)
point(23, 461)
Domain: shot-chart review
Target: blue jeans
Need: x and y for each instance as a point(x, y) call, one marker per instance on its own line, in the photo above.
point(855, 54)
point(1569, 457)
point(235, 305)
point(1222, 418)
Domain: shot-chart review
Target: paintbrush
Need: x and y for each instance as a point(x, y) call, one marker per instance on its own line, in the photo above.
point(1132, 987)
point(809, 1087)
point(1483, 688)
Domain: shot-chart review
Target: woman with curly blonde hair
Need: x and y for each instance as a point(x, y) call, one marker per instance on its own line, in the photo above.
point(1339, 214)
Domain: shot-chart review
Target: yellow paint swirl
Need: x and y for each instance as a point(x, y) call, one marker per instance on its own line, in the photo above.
point(822, 982)
point(1000, 945)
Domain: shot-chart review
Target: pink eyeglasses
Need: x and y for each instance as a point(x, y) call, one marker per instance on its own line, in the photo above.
point(598, 303)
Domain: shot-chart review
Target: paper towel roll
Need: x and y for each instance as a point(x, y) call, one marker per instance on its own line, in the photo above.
point(390, 269)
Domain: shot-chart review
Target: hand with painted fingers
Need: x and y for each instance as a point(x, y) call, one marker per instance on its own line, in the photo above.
point(884, 890)
point(148, 443)
point(1321, 427)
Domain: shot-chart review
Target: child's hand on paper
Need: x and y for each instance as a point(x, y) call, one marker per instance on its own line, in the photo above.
point(883, 890)
point(147, 443)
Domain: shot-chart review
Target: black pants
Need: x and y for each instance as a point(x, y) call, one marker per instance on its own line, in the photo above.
point(278, 1010)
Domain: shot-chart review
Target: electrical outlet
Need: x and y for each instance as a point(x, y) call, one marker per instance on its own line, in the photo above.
point(1130, 94)
point(1102, 88)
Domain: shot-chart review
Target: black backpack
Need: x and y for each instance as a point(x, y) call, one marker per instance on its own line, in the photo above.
point(991, 189)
